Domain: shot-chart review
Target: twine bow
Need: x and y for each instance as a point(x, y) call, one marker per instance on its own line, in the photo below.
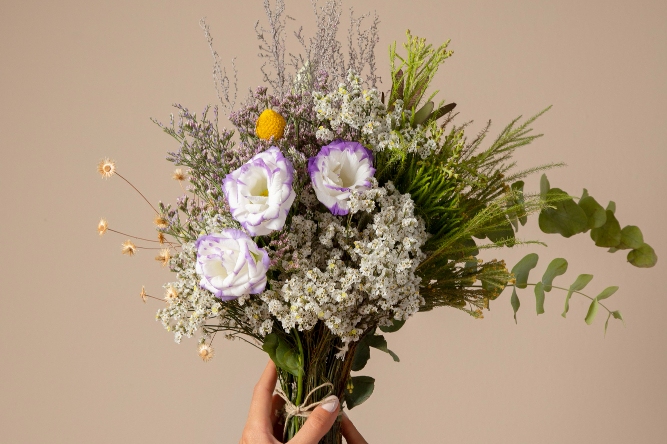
point(304, 409)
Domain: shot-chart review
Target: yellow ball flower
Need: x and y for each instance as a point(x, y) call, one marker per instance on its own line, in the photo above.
point(270, 124)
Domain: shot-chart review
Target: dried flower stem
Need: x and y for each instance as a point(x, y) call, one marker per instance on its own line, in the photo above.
point(140, 193)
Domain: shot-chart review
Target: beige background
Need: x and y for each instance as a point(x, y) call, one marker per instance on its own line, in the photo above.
point(82, 359)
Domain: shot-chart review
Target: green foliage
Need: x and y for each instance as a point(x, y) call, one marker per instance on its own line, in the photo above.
point(283, 354)
point(394, 327)
point(567, 218)
point(363, 350)
point(579, 284)
point(557, 267)
point(522, 269)
point(358, 390)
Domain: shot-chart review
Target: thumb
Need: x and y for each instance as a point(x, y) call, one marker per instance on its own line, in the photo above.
point(319, 422)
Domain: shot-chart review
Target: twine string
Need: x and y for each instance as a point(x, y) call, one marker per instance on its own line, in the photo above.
point(304, 409)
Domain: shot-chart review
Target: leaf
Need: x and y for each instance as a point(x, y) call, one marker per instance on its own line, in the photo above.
point(596, 215)
point(358, 390)
point(566, 218)
point(617, 315)
point(544, 186)
point(643, 257)
point(443, 110)
point(288, 359)
point(557, 267)
point(521, 215)
point(539, 298)
point(515, 303)
point(423, 114)
point(270, 345)
point(612, 206)
point(579, 284)
point(631, 236)
point(522, 269)
point(592, 311)
point(502, 233)
point(608, 235)
point(379, 342)
point(607, 292)
point(606, 323)
point(361, 355)
point(395, 327)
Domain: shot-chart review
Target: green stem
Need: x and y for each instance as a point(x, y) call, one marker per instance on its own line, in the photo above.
point(299, 392)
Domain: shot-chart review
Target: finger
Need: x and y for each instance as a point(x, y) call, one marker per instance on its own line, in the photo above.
point(277, 419)
point(262, 397)
point(350, 432)
point(319, 422)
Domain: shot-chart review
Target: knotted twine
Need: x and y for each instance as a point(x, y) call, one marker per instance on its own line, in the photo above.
point(304, 410)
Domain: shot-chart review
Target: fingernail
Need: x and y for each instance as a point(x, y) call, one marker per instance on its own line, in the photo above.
point(330, 404)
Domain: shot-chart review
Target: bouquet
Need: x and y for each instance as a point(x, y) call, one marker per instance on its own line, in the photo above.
point(338, 209)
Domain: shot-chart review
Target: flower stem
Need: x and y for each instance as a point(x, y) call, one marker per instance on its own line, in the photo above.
point(135, 189)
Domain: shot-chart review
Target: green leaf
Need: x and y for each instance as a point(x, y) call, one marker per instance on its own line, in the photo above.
point(502, 233)
point(579, 284)
point(515, 303)
point(566, 218)
point(596, 215)
point(608, 235)
point(358, 390)
point(607, 292)
point(396, 325)
point(539, 298)
point(617, 315)
point(521, 215)
point(379, 342)
point(557, 267)
point(522, 269)
point(288, 359)
point(631, 236)
point(612, 206)
point(606, 323)
point(592, 311)
point(643, 257)
point(270, 345)
point(544, 186)
point(423, 114)
point(361, 355)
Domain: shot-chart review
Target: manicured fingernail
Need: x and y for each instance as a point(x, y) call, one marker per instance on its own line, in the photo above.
point(330, 404)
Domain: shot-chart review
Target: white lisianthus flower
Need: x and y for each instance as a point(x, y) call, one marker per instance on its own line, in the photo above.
point(339, 169)
point(260, 193)
point(231, 264)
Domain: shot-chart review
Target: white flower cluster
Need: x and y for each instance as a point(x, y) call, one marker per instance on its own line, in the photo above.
point(363, 110)
point(346, 277)
point(189, 306)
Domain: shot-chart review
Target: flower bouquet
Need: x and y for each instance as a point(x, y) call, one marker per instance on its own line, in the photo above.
point(337, 210)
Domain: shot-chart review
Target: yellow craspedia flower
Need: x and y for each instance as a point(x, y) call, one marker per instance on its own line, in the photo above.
point(270, 124)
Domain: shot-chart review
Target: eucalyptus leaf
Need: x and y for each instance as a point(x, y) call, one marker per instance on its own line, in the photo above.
point(394, 327)
point(595, 213)
point(557, 267)
point(544, 186)
point(520, 215)
point(270, 345)
point(288, 359)
point(631, 236)
point(522, 269)
point(579, 284)
point(539, 298)
point(611, 206)
point(592, 311)
point(608, 235)
point(515, 303)
point(502, 234)
point(643, 257)
point(617, 315)
point(607, 292)
point(606, 323)
point(359, 389)
point(566, 218)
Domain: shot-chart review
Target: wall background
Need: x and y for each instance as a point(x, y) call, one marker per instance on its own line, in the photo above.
point(82, 359)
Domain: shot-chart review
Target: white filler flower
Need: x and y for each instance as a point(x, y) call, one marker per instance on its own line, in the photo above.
point(260, 193)
point(231, 264)
point(339, 169)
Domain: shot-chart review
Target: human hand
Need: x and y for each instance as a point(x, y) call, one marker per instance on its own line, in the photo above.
point(263, 425)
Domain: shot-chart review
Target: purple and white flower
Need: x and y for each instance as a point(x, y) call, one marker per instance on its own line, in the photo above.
point(260, 193)
point(339, 169)
point(231, 264)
